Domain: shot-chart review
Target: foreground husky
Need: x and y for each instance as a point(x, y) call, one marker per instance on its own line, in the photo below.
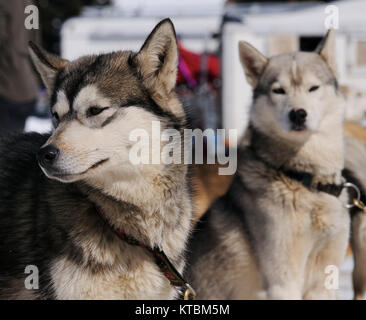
point(62, 224)
point(283, 220)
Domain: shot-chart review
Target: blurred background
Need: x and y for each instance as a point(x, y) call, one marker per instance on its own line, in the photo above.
point(211, 81)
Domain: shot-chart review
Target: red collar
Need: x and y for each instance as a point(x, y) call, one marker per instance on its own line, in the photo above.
point(161, 260)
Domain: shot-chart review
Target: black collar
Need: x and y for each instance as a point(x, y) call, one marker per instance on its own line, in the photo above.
point(305, 178)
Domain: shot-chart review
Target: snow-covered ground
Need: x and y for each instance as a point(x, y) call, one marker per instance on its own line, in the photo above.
point(345, 281)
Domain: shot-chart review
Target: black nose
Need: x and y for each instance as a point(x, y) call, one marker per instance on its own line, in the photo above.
point(297, 117)
point(47, 155)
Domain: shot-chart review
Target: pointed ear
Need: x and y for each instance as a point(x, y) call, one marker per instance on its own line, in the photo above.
point(252, 61)
point(46, 64)
point(158, 58)
point(326, 49)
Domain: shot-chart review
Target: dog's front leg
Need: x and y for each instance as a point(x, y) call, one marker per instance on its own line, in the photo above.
point(282, 281)
point(281, 257)
point(323, 276)
point(323, 269)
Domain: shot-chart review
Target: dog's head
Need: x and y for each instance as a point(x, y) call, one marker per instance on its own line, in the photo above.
point(293, 93)
point(97, 100)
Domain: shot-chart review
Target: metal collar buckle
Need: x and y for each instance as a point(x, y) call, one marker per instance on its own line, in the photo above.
point(189, 293)
point(355, 201)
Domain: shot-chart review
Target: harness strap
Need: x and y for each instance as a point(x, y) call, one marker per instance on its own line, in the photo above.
point(161, 260)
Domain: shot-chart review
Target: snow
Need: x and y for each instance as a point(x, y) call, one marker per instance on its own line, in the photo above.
point(36, 124)
point(345, 280)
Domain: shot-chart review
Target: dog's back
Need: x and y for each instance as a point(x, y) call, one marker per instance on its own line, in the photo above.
point(355, 173)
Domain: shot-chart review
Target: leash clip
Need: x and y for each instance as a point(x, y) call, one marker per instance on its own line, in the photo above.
point(355, 201)
point(189, 293)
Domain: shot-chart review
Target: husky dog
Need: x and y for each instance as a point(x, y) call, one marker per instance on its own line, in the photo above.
point(48, 216)
point(283, 220)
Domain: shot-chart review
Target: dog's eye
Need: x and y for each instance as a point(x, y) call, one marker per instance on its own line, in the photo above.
point(279, 91)
point(313, 88)
point(93, 111)
point(55, 116)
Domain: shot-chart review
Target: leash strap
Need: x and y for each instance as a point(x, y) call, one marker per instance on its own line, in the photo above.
point(359, 204)
point(161, 260)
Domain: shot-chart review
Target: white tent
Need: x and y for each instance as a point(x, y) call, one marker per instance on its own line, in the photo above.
point(170, 8)
point(126, 23)
point(311, 20)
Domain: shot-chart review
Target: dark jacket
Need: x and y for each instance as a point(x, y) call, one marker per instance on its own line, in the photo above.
point(18, 82)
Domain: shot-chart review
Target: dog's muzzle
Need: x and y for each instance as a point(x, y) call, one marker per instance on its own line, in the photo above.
point(47, 156)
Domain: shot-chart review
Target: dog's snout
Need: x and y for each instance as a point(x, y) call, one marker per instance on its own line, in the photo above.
point(298, 117)
point(48, 155)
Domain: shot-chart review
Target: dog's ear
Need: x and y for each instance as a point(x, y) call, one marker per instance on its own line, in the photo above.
point(46, 64)
point(157, 60)
point(326, 49)
point(252, 61)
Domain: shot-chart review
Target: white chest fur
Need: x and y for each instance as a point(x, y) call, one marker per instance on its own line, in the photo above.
point(142, 279)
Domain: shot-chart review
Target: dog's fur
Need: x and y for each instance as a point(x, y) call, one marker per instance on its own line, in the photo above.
point(269, 236)
point(355, 172)
point(51, 222)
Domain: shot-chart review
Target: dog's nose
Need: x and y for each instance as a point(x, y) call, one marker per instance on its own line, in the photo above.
point(48, 155)
point(298, 116)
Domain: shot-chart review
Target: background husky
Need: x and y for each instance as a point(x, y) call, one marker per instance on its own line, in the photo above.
point(269, 231)
point(209, 186)
point(96, 102)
